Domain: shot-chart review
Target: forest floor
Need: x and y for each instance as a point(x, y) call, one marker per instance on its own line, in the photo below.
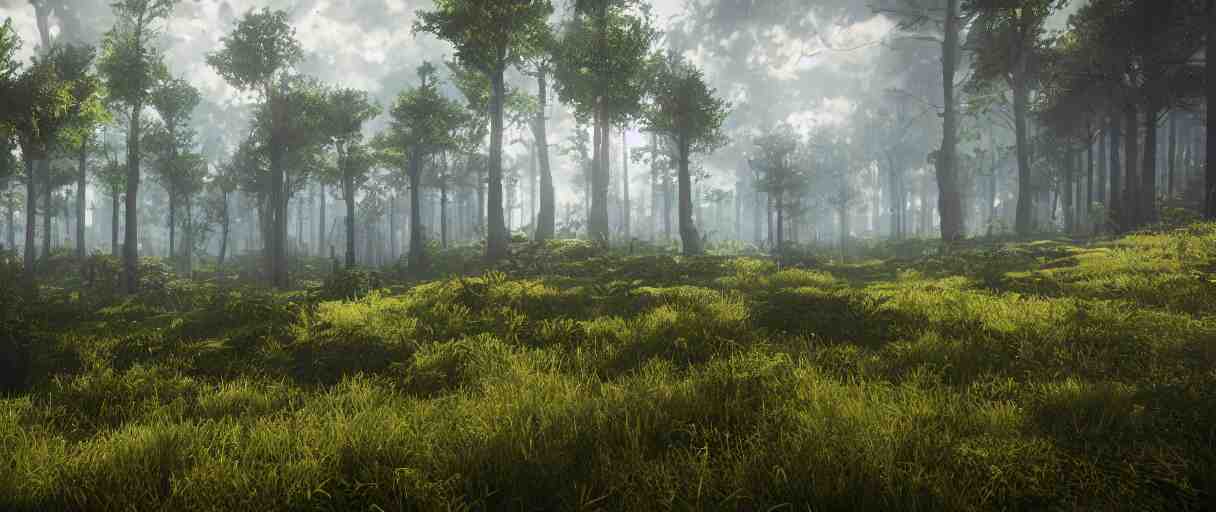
point(1033, 375)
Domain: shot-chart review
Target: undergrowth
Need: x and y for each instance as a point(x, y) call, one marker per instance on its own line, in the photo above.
point(1016, 375)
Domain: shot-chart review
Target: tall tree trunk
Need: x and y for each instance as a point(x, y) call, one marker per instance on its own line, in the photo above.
point(496, 240)
point(688, 232)
point(11, 223)
point(1102, 172)
point(547, 217)
point(188, 246)
point(31, 211)
point(80, 197)
point(321, 227)
point(277, 241)
point(1089, 180)
point(348, 197)
point(597, 223)
point(443, 215)
point(656, 189)
point(48, 212)
point(392, 227)
point(667, 200)
point(1209, 186)
point(417, 255)
point(1172, 154)
point(1114, 212)
point(1147, 209)
point(1024, 219)
point(225, 221)
point(130, 242)
point(114, 207)
point(1131, 146)
point(625, 181)
point(950, 204)
point(1069, 174)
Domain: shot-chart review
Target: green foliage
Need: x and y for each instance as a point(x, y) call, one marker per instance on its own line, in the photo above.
point(684, 107)
point(488, 34)
point(348, 284)
point(1023, 375)
point(261, 47)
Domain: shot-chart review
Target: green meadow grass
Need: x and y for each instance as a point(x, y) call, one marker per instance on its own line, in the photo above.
point(1015, 376)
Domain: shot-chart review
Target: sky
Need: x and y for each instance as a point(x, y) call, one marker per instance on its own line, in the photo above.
point(763, 56)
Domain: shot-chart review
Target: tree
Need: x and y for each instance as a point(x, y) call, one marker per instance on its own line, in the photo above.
point(775, 167)
point(687, 111)
point(423, 123)
point(73, 63)
point(601, 68)
point(345, 112)
point(258, 56)
point(175, 101)
point(540, 67)
point(37, 105)
point(490, 35)
point(131, 67)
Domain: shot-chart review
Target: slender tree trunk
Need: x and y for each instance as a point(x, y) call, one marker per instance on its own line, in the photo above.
point(950, 205)
point(496, 241)
point(31, 210)
point(1147, 210)
point(11, 223)
point(348, 197)
point(688, 232)
point(392, 227)
point(1209, 186)
point(1114, 213)
point(598, 229)
point(321, 227)
point(443, 215)
point(1131, 146)
point(656, 189)
point(188, 246)
point(1024, 220)
point(547, 218)
point(417, 254)
point(80, 198)
point(47, 210)
point(225, 221)
point(1089, 181)
point(1102, 172)
point(1172, 154)
point(667, 200)
point(1069, 173)
point(625, 181)
point(130, 242)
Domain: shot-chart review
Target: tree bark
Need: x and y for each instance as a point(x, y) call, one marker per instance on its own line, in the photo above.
point(31, 210)
point(130, 242)
point(546, 218)
point(224, 227)
point(1116, 173)
point(1024, 219)
point(1147, 210)
point(1209, 186)
point(625, 181)
point(80, 197)
point(47, 210)
point(1131, 145)
point(950, 205)
point(348, 197)
point(1172, 154)
point(496, 239)
point(321, 227)
point(688, 232)
point(417, 254)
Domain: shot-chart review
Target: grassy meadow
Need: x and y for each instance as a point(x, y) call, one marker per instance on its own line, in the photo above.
point(1017, 375)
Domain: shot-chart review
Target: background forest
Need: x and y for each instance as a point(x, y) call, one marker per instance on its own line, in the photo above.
point(607, 255)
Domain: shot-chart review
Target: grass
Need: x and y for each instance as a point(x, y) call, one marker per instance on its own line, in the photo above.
point(1018, 376)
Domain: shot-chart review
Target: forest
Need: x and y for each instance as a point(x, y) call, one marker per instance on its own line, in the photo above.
point(753, 255)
